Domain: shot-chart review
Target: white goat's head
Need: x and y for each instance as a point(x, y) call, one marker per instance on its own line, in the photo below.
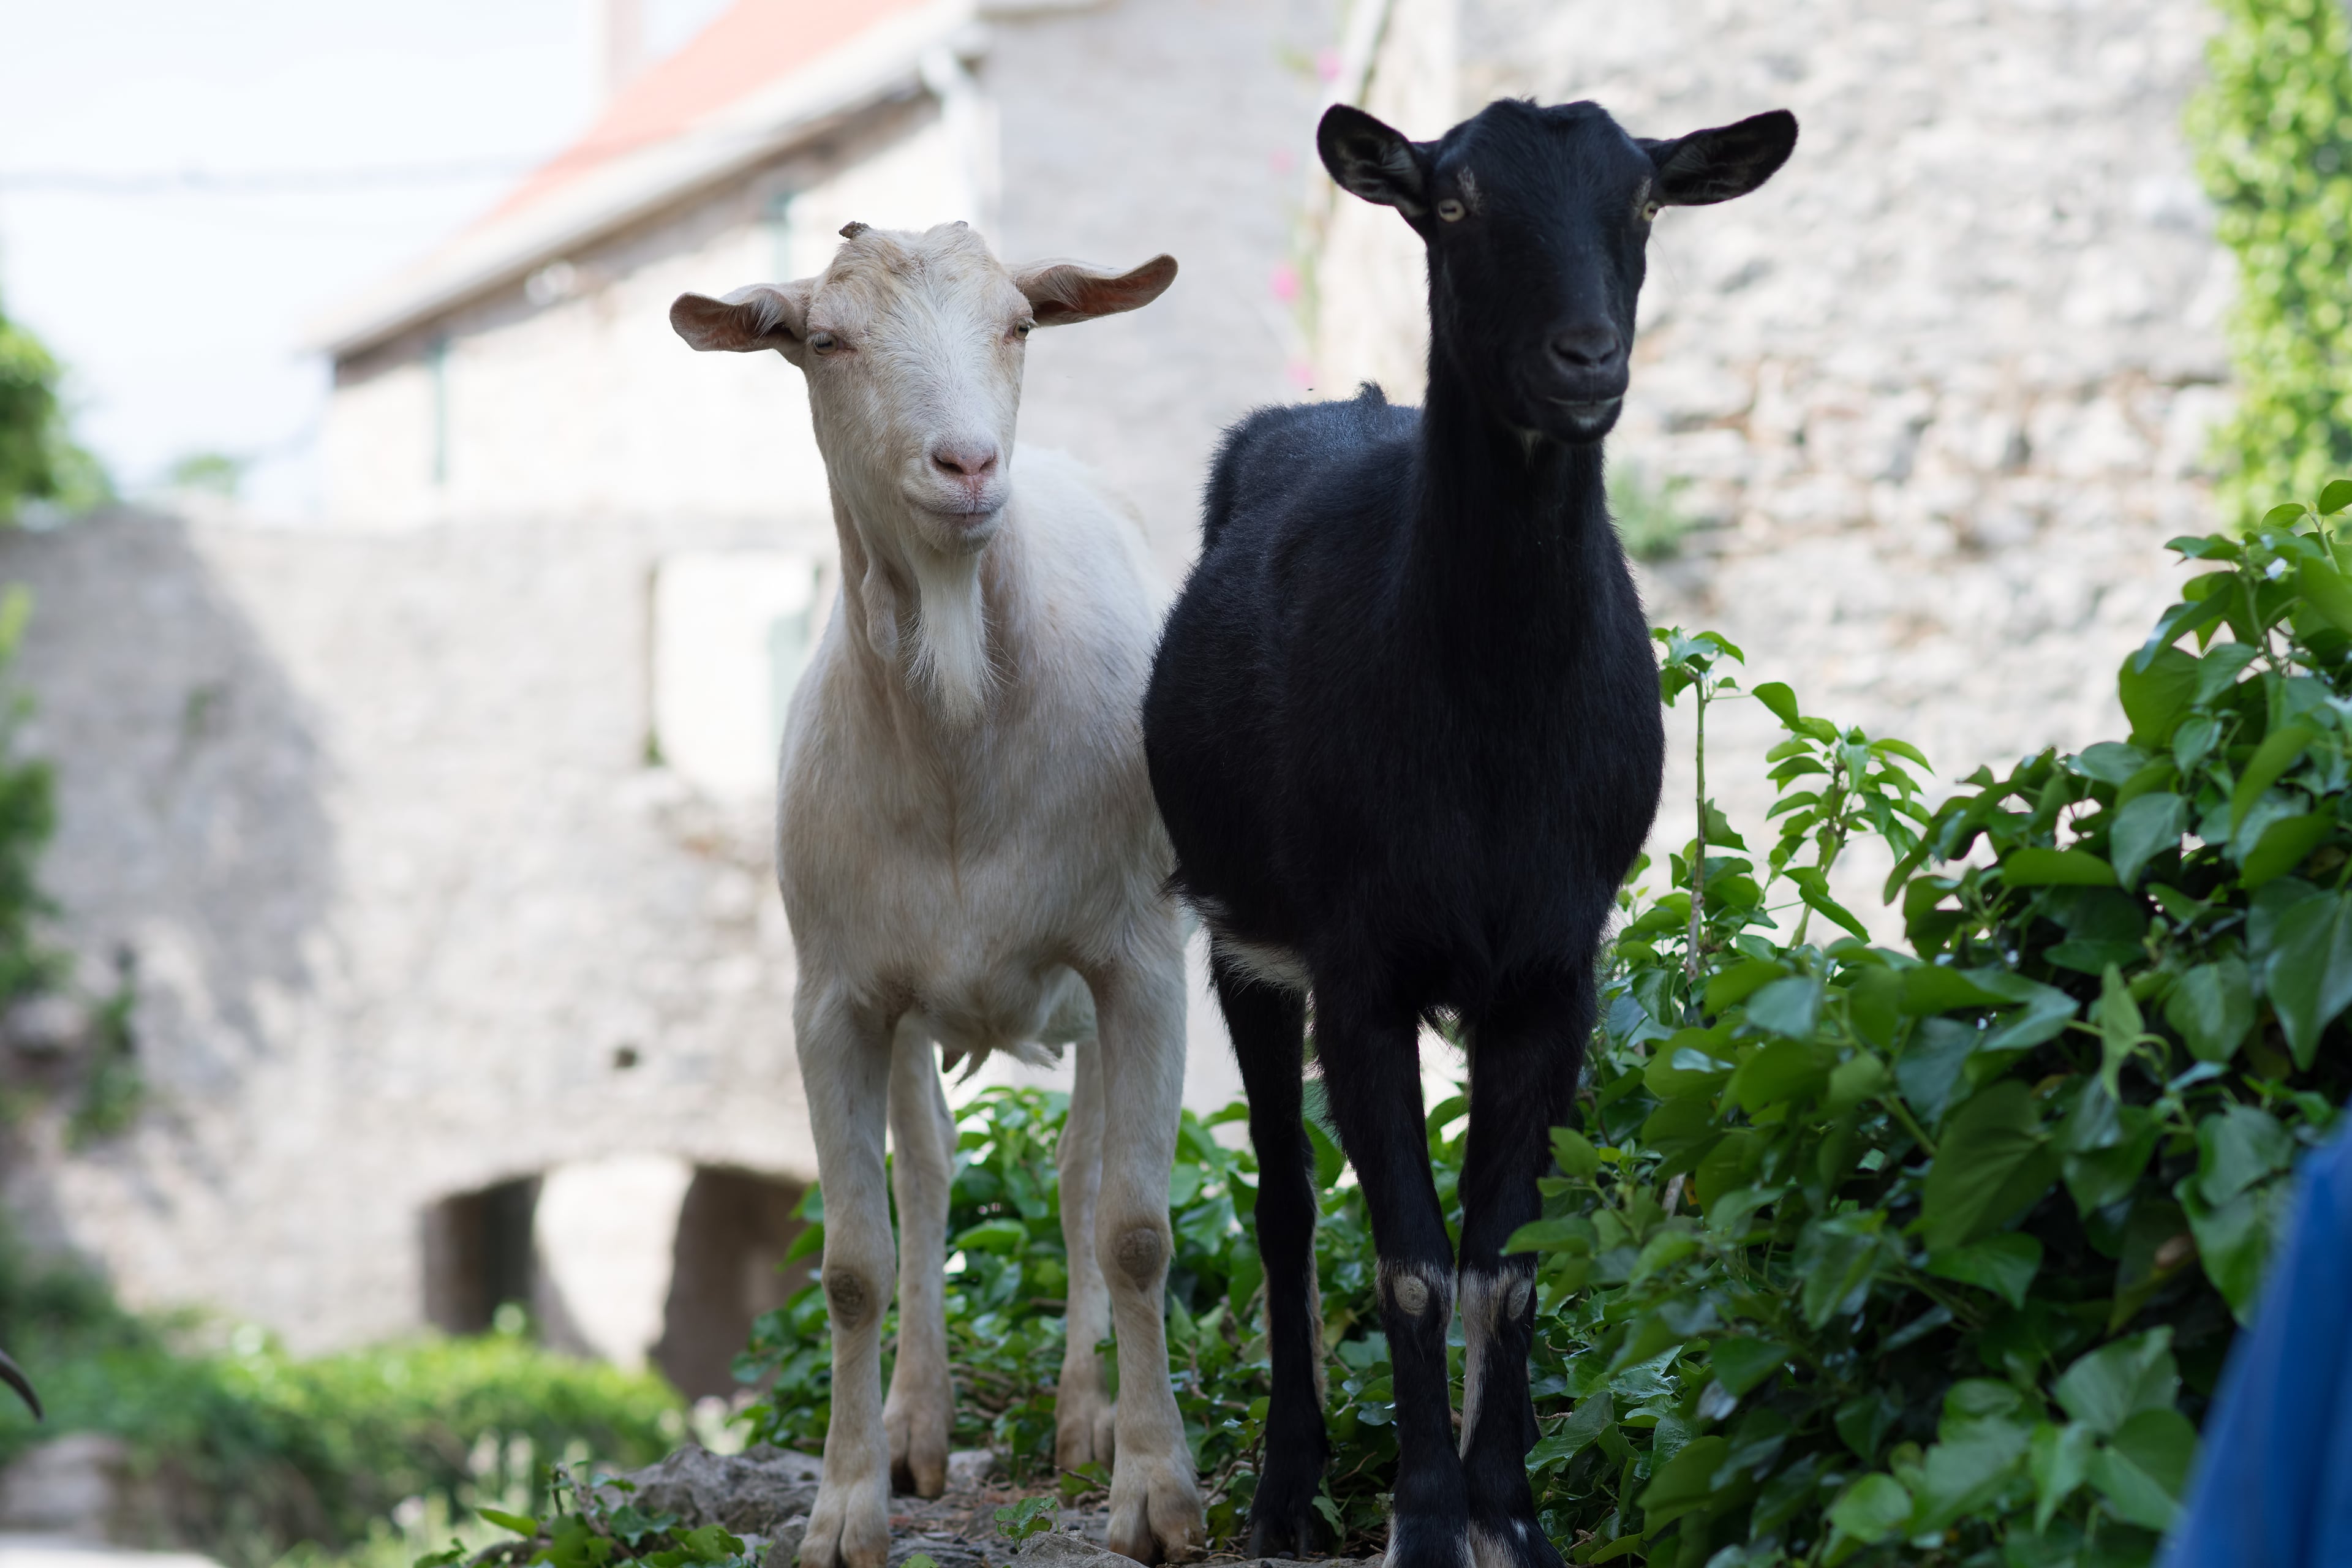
point(913, 345)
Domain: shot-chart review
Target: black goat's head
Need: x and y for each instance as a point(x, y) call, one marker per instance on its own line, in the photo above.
point(1536, 222)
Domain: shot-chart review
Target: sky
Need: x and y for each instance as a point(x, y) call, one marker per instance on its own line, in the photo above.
point(179, 309)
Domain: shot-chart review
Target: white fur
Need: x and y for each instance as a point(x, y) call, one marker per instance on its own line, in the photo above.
point(969, 855)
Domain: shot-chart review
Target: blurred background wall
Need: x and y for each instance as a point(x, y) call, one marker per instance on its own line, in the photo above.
point(424, 819)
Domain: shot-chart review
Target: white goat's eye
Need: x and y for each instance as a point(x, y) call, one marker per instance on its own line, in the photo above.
point(1450, 210)
point(1649, 211)
point(823, 341)
point(1022, 329)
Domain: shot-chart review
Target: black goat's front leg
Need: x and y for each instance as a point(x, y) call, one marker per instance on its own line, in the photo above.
point(1371, 1078)
point(1268, 1027)
point(1523, 1068)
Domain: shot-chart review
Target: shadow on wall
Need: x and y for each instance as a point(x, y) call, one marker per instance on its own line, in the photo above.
point(192, 836)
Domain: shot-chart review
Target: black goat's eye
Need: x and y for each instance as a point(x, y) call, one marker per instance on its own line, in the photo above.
point(1649, 211)
point(1450, 210)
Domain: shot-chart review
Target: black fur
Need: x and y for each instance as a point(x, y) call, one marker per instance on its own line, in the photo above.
point(1404, 726)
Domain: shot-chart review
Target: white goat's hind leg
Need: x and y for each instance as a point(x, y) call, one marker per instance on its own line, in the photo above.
point(922, 1405)
point(1083, 1417)
point(1155, 1504)
point(846, 1072)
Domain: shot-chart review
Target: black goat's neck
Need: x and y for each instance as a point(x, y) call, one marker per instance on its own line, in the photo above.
point(1507, 523)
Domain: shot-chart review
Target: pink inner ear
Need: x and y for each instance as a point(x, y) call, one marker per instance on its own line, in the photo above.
point(1069, 293)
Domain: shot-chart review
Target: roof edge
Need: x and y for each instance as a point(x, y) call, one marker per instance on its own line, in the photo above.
point(625, 189)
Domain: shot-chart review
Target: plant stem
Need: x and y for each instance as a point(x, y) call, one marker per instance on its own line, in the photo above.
point(1698, 850)
point(1903, 1114)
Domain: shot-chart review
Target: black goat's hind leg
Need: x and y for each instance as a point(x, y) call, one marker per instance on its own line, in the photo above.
point(1268, 1029)
point(1371, 1077)
point(1522, 1076)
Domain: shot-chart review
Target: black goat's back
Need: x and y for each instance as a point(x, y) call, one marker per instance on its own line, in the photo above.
point(1409, 746)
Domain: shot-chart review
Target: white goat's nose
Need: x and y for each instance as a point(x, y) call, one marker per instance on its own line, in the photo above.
point(964, 459)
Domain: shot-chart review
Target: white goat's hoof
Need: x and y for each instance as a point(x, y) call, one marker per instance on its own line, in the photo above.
point(849, 1527)
point(1155, 1510)
point(917, 1426)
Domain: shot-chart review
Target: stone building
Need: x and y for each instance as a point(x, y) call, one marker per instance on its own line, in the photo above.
point(434, 835)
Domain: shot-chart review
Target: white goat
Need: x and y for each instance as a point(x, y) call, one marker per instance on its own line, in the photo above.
point(970, 853)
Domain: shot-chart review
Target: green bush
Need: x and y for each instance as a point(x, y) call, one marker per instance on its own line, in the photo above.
point(38, 460)
point(2273, 130)
point(250, 1451)
point(1858, 1253)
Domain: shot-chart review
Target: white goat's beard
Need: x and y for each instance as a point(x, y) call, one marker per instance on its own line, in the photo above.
point(950, 661)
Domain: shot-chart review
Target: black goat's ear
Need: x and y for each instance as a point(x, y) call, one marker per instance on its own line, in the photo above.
point(763, 316)
point(1373, 161)
point(1729, 160)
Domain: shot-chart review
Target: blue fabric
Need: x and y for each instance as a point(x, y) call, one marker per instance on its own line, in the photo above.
point(2273, 1480)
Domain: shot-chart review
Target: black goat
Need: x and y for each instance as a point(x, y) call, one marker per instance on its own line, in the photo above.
point(1404, 730)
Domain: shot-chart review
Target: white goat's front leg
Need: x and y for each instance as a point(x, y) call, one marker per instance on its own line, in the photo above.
point(1155, 1505)
point(1083, 1417)
point(922, 1405)
point(844, 1057)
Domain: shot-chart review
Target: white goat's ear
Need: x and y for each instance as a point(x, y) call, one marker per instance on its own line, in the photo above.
point(763, 316)
point(1061, 292)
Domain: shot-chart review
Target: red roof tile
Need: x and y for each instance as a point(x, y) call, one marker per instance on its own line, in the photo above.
point(752, 44)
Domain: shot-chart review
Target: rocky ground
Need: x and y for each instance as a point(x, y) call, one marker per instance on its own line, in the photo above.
point(765, 1494)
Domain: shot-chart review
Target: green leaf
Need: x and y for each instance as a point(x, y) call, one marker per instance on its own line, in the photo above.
point(1938, 988)
point(1930, 1068)
point(2111, 762)
point(1740, 1363)
point(1790, 1006)
point(1741, 981)
point(994, 1235)
point(1574, 1153)
point(1682, 1064)
point(521, 1523)
point(1686, 1485)
point(2327, 591)
point(1782, 702)
point(2107, 1387)
point(2004, 1265)
point(1861, 1078)
point(2333, 497)
point(1569, 1232)
point(1964, 1473)
point(2120, 1027)
point(2309, 971)
point(1583, 1428)
point(2155, 697)
point(2058, 1460)
point(2280, 750)
point(1814, 888)
point(2237, 1148)
point(1785, 1071)
point(2211, 1007)
point(2233, 1240)
point(1837, 1258)
point(1873, 1508)
point(2033, 867)
point(2145, 828)
point(1329, 1159)
point(2283, 845)
point(2145, 1470)
point(1992, 1161)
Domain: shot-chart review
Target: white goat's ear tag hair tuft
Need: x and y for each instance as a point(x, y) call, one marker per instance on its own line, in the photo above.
point(853, 228)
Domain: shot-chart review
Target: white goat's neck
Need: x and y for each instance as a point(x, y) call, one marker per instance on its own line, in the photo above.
point(931, 623)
